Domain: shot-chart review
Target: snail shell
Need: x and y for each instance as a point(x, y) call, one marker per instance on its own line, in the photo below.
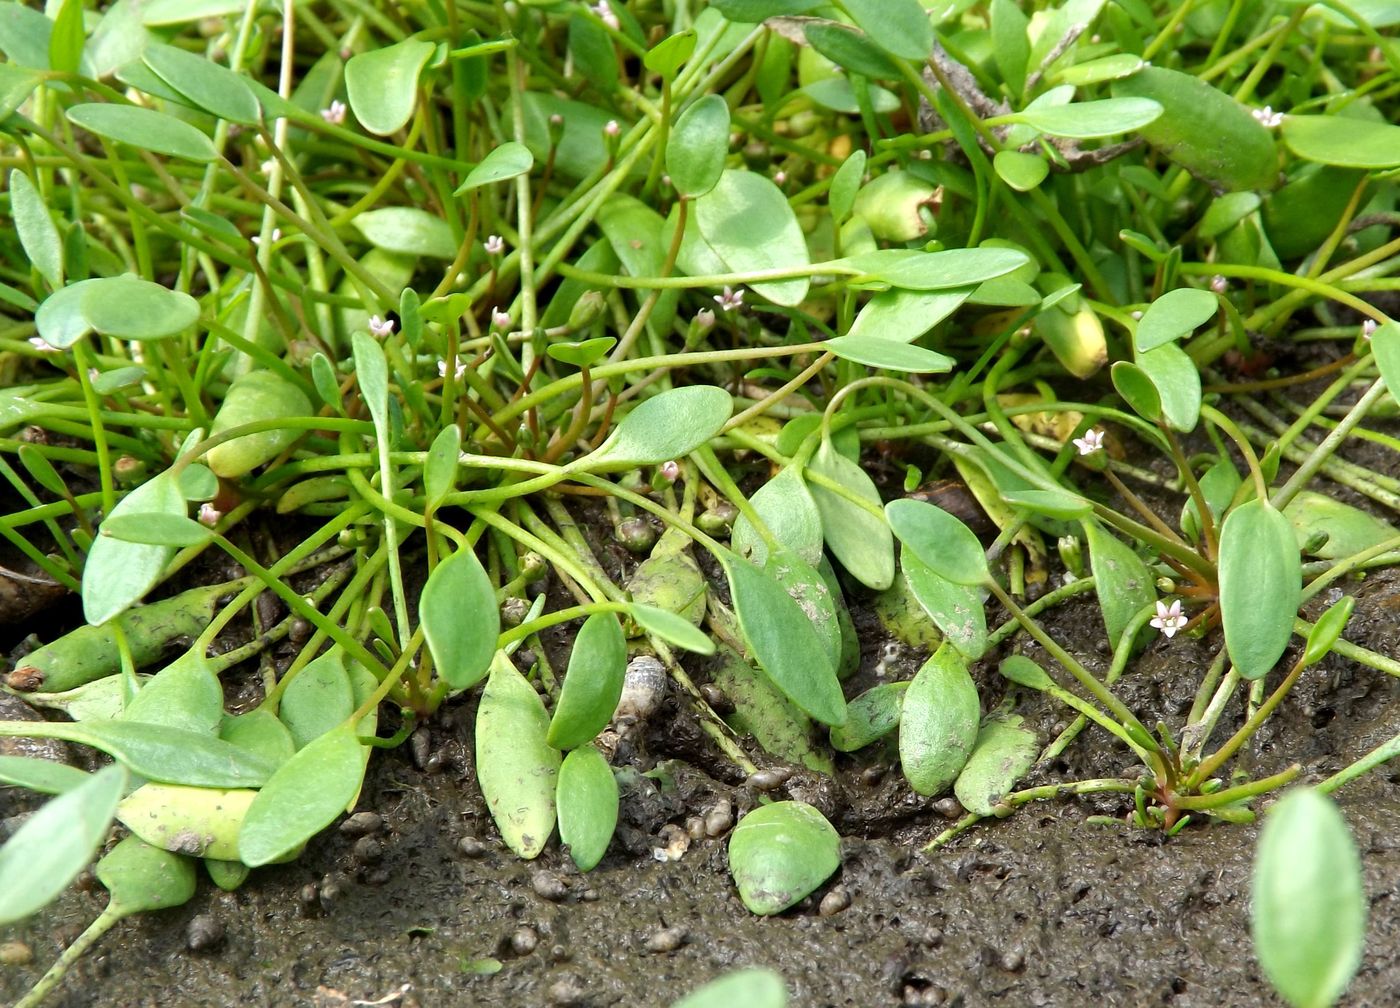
point(643, 689)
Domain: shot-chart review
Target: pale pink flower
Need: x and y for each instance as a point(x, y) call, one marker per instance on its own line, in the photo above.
point(611, 128)
point(1368, 328)
point(42, 345)
point(458, 372)
point(705, 318)
point(380, 327)
point(1169, 618)
point(494, 244)
point(1266, 116)
point(670, 471)
point(334, 113)
point(731, 299)
point(209, 515)
point(1219, 284)
point(500, 319)
point(1091, 442)
point(605, 14)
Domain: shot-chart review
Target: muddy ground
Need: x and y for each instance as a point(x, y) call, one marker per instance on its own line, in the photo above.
point(1041, 909)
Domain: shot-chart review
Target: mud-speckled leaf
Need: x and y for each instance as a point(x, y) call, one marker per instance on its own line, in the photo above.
point(1002, 754)
point(592, 684)
point(780, 853)
point(1175, 314)
point(697, 146)
point(786, 507)
point(761, 710)
point(509, 160)
point(317, 699)
point(870, 717)
point(955, 609)
point(200, 822)
point(1308, 906)
point(944, 544)
point(806, 586)
point(938, 724)
point(142, 878)
point(1024, 672)
point(752, 988)
point(587, 797)
point(145, 129)
point(304, 796)
point(748, 222)
point(1348, 529)
point(783, 641)
point(382, 84)
point(118, 573)
point(38, 235)
point(407, 231)
point(1124, 584)
point(1260, 586)
point(184, 694)
point(516, 767)
point(667, 426)
point(460, 619)
point(859, 537)
point(53, 844)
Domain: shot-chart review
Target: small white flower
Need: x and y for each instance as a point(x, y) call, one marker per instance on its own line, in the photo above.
point(334, 113)
point(494, 244)
point(380, 327)
point(605, 14)
point(42, 345)
point(1169, 618)
point(1091, 442)
point(1268, 117)
point(1368, 328)
point(276, 236)
point(268, 167)
point(670, 471)
point(611, 128)
point(458, 372)
point(1219, 284)
point(209, 515)
point(705, 318)
point(779, 177)
point(731, 299)
point(500, 319)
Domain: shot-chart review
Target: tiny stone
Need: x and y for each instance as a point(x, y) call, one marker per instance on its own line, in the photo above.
point(435, 762)
point(333, 888)
point(695, 828)
point(834, 902)
point(15, 953)
point(203, 933)
point(719, 820)
point(367, 850)
point(590, 896)
point(524, 941)
point(873, 775)
point(377, 877)
point(362, 824)
point(470, 846)
point(1013, 961)
point(310, 894)
point(559, 954)
point(667, 940)
point(768, 780)
point(420, 745)
point(548, 886)
point(948, 808)
point(933, 938)
point(566, 992)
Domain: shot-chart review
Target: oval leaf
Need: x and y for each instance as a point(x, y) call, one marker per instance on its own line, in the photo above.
point(915, 270)
point(1343, 141)
point(592, 684)
point(1004, 751)
point(752, 988)
point(1124, 584)
point(515, 765)
point(118, 573)
point(1087, 120)
point(142, 878)
point(860, 539)
point(671, 628)
point(199, 822)
point(407, 231)
point(38, 234)
point(748, 222)
point(938, 724)
point(303, 797)
point(587, 806)
point(460, 619)
point(144, 129)
point(785, 506)
point(780, 853)
point(955, 609)
point(382, 85)
point(317, 699)
point(1260, 586)
point(1175, 314)
point(697, 146)
point(873, 351)
point(870, 717)
point(508, 161)
point(213, 88)
point(942, 542)
point(667, 426)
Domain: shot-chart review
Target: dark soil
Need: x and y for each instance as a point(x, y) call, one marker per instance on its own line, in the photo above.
point(1043, 908)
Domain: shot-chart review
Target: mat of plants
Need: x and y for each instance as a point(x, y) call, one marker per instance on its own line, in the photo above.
point(761, 502)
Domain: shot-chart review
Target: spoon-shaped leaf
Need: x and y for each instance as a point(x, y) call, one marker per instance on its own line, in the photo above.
point(752, 988)
point(697, 146)
point(1343, 141)
point(587, 800)
point(780, 853)
point(118, 573)
point(1090, 119)
point(515, 765)
point(209, 86)
point(671, 628)
point(317, 699)
point(509, 160)
point(141, 878)
point(592, 684)
point(938, 724)
point(1260, 586)
point(859, 537)
point(201, 822)
point(303, 797)
point(1002, 754)
point(38, 235)
point(128, 307)
point(955, 609)
point(667, 426)
point(748, 222)
point(407, 231)
point(786, 507)
point(144, 129)
point(870, 717)
point(184, 694)
point(873, 351)
point(1175, 314)
point(944, 544)
point(460, 618)
point(1121, 578)
point(382, 85)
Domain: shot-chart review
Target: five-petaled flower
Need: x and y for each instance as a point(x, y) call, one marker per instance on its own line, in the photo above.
point(1169, 618)
point(1268, 117)
point(494, 244)
point(334, 113)
point(731, 299)
point(605, 14)
point(1091, 442)
point(458, 372)
point(1368, 328)
point(380, 327)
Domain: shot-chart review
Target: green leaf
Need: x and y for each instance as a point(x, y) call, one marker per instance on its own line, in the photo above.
point(955, 609)
point(128, 307)
point(671, 628)
point(669, 425)
point(16, 85)
point(939, 540)
point(515, 766)
point(755, 11)
point(850, 49)
point(1002, 754)
point(142, 878)
point(1021, 171)
point(317, 699)
point(1308, 905)
point(440, 469)
point(155, 529)
point(1226, 211)
point(1218, 485)
point(783, 641)
point(1385, 348)
point(809, 589)
point(915, 270)
point(303, 797)
point(592, 684)
point(173, 755)
point(119, 39)
point(763, 711)
point(1178, 384)
point(904, 315)
point(1137, 389)
point(1096, 71)
point(259, 732)
point(588, 802)
point(37, 233)
point(118, 573)
point(1260, 586)
point(1349, 530)
point(145, 129)
point(870, 717)
point(1124, 584)
point(460, 619)
point(257, 395)
point(841, 194)
point(877, 352)
point(1024, 672)
point(1175, 314)
point(780, 853)
point(1328, 629)
point(407, 231)
point(900, 27)
point(1343, 141)
point(200, 822)
point(1091, 119)
point(508, 161)
point(24, 36)
point(859, 538)
point(938, 725)
point(184, 694)
point(748, 222)
point(752, 988)
point(666, 58)
point(66, 39)
point(1011, 46)
point(42, 775)
point(213, 88)
point(382, 85)
point(55, 843)
point(697, 146)
point(582, 354)
point(786, 507)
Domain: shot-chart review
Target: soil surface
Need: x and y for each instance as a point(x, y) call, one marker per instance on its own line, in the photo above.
point(1043, 908)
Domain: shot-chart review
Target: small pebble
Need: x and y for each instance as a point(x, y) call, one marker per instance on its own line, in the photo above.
point(834, 902)
point(435, 763)
point(873, 775)
point(203, 933)
point(367, 850)
point(559, 954)
point(667, 940)
point(768, 780)
point(362, 824)
point(15, 953)
point(524, 941)
point(1013, 960)
point(549, 886)
point(695, 828)
point(717, 699)
point(377, 877)
point(590, 896)
point(719, 820)
point(420, 746)
point(310, 895)
point(566, 992)
point(948, 808)
point(470, 846)
point(333, 889)
point(933, 938)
